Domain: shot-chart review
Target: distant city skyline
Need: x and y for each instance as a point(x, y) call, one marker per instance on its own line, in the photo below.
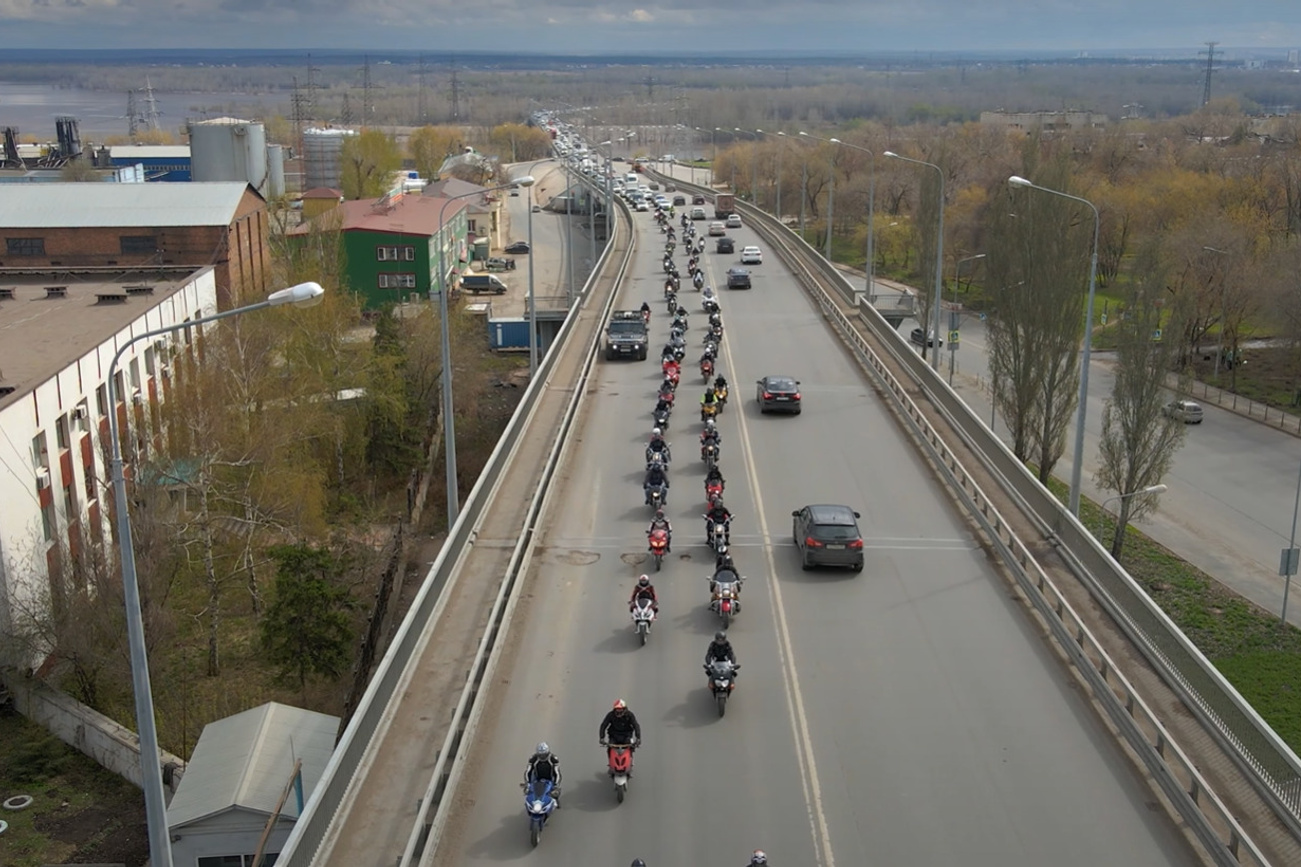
point(634, 26)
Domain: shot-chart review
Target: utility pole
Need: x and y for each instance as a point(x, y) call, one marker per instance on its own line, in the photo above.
point(1210, 68)
point(456, 94)
point(422, 109)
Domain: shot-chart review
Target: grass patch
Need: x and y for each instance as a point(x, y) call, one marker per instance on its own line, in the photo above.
point(1255, 652)
point(81, 812)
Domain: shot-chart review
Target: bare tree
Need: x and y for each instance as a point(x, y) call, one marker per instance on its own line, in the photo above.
point(1138, 441)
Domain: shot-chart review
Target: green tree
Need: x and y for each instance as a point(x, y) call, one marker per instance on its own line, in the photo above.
point(78, 171)
point(429, 146)
point(1138, 442)
point(307, 630)
point(367, 163)
point(393, 419)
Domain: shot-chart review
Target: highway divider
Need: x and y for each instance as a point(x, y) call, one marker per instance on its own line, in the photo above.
point(1259, 751)
point(318, 814)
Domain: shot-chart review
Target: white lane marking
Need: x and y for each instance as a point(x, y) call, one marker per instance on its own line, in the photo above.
point(794, 698)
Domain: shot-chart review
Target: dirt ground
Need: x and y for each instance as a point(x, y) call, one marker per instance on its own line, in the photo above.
point(1268, 374)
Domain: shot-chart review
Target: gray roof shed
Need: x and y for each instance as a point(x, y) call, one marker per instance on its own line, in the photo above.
point(244, 761)
point(108, 205)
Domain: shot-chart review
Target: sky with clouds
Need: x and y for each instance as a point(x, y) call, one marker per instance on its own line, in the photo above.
point(636, 26)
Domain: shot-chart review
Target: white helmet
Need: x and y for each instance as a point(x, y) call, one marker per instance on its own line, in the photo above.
point(655, 431)
point(759, 857)
point(709, 424)
point(542, 749)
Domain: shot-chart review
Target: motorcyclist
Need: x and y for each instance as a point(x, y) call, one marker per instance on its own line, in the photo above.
point(715, 475)
point(719, 515)
point(710, 434)
point(620, 726)
point(660, 522)
point(723, 562)
point(720, 649)
point(758, 859)
point(668, 389)
point(544, 765)
point(663, 405)
point(657, 443)
point(656, 478)
point(645, 308)
point(715, 320)
point(644, 589)
point(720, 383)
point(708, 398)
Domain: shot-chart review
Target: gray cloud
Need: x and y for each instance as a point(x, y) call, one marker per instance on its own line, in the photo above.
point(671, 25)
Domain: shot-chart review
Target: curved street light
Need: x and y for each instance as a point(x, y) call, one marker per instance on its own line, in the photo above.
point(939, 262)
point(151, 772)
point(831, 190)
point(1150, 489)
point(449, 419)
point(1078, 457)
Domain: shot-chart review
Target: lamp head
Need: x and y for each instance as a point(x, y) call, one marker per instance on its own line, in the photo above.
point(1156, 489)
point(803, 133)
point(526, 181)
point(834, 140)
point(890, 154)
point(1018, 181)
point(303, 295)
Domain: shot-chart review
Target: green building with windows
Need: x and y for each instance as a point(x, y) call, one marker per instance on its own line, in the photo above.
point(392, 245)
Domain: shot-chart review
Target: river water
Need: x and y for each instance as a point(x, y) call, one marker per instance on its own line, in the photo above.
point(32, 108)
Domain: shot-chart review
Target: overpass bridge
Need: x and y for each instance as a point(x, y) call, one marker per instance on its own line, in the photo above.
point(946, 705)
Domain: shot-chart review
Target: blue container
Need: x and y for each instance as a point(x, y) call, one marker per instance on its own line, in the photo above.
point(508, 333)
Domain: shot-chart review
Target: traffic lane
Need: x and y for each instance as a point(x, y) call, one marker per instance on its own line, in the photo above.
point(722, 784)
point(930, 613)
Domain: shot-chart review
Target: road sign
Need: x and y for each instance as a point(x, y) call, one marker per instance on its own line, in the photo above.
point(1104, 318)
point(1287, 562)
point(1156, 335)
point(953, 341)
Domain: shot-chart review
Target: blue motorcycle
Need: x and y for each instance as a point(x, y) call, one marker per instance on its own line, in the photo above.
point(539, 804)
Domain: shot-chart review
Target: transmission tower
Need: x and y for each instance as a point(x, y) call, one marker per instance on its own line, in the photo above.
point(304, 101)
point(345, 113)
point(1210, 68)
point(132, 115)
point(456, 93)
point(422, 108)
point(151, 114)
point(367, 107)
point(650, 88)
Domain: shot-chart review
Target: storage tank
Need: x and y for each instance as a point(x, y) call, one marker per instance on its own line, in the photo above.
point(276, 169)
point(229, 149)
point(321, 149)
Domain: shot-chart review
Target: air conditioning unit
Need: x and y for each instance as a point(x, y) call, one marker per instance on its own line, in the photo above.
point(160, 345)
point(79, 414)
point(137, 398)
point(165, 372)
point(42, 479)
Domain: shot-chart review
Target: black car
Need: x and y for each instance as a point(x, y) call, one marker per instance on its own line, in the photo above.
point(778, 394)
point(697, 200)
point(518, 247)
point(679, 201)
point(828, 535)
point(725, 245)
point(738, 278)
point(918, 335)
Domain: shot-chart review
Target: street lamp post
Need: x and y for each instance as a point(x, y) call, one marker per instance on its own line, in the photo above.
point(939, 261)
point(953, 315)
point(533, 316)
point(151, 775)
point(449, 419)
point(831, 190)
point(1078, 459)
point(1150, 489)
point(1223, 318)
point(871, 217)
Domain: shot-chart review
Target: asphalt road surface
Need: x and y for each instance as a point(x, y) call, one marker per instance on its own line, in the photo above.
point(906, 715)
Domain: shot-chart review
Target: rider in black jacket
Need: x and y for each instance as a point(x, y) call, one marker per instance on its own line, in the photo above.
point(720, 648)
point(620, 726)
point(544, 765)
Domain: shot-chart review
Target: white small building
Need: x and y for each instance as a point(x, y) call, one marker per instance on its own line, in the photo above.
point(58, 336)
point(236, 779)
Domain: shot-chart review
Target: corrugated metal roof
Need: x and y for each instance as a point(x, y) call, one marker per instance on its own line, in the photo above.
point(147, 151)
point(60, 206)
point(245, 760)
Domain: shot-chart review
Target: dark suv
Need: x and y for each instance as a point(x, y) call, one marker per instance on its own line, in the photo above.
point(725, 245)
point(828, 535)
point(738, 278)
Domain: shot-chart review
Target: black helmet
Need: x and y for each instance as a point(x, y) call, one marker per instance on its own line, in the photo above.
point(638, 863)
point(659, 515)
point(720, 636)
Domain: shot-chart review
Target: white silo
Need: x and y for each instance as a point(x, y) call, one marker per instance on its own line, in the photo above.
point(276, 167)
point(321, 148)
point(229, 149)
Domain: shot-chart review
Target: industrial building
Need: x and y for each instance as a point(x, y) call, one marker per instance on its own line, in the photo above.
point(391, 245)
point(242, 776)
point(111, 228)
point(231, 149)
point(58, 336)
point(169, 163)
point(321, 151)
point(1047, 121)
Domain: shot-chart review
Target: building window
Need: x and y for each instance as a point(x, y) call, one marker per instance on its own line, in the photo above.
point(40, 453)
point(149, 360)
point(472, 228)
point(61, 432)
point(135, 373)
point(397, 281)
point(101, 400)
point(386, 254)
point(69, 505)
point(91, 493)
point(25, 246)
point(408, 254)
point(48, 522)
point(139, 244)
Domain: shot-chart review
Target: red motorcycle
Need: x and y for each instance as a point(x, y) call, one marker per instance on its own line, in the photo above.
point(620, 761)
point(672, 372)
point(659, 545)
point(707, 368)
point(713, 491)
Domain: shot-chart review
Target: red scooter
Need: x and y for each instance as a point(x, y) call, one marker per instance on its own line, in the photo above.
point(659, 546)
point(620, 760)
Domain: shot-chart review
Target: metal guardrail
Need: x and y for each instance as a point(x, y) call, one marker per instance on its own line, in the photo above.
point(318, 814)
point(1146, 625)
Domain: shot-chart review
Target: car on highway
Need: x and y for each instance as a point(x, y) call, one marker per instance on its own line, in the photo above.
point(778, 394)
point(717, 229)
point(698, 214)
point(751, 256)
point(918, 335)
point(517, 247)
point(1187, 411)
point(679, 201)
point(828, 535)
point(725, 245)
point(642, 205)
point(738, 278)
point(697, 199)
point(734, 221)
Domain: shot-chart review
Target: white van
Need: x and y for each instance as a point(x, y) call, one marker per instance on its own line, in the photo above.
point(632, 179)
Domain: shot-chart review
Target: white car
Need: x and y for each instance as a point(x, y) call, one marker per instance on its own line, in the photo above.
point(751, 256)
point(734, 221)
point(642, 206)
point(717, 229)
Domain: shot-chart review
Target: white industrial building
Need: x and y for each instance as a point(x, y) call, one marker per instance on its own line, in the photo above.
point(241, 776)
point(58, 336)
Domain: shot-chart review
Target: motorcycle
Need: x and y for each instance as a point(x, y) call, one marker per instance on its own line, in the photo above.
point(718, 534)
point(720, 395)
point(679, 349)
point(671, 301)
point(645, 315)
point(659, 546)
point(715, 334)
point(708, 411)
point(700, 246)
point(713, 490)
point(672, 371)
point(722, 680)
point(708, 451)
point(655, 496)
point(539, 803)
point(725, 597)
point(643, 615)
point(710, 303)
point(679, 323)
point(619, 757)
point(657, 456)
point(707, 371)
point(661, 417)
point(698, 281)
